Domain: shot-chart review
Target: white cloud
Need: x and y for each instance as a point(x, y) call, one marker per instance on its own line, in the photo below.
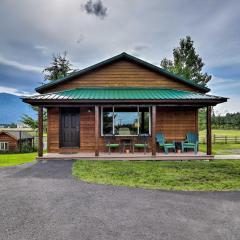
point(231, 106)
point(20, 66)
point(14, 91)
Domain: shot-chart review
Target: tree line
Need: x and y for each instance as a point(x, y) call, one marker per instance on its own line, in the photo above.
point(227, 121)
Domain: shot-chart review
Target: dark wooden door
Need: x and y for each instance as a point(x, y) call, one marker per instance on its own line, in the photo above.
point(70, 124)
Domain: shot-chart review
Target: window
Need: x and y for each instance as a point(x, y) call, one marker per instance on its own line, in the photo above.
point(144, 120)
point(3, 146)
point(125, 121)
point(107, 120)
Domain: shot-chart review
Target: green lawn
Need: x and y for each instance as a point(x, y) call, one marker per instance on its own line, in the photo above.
point(222, 148)
point(16, 159)
point(195, 175)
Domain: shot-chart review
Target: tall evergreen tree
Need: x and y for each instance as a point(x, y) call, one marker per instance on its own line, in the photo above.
point(60, 67)
point(186, 63)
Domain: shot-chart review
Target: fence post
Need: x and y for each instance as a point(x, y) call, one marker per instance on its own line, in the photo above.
point(225, 139)
point(214, 138)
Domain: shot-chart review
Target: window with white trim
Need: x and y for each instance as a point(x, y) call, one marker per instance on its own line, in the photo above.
point(3, 146)
point(125, 121)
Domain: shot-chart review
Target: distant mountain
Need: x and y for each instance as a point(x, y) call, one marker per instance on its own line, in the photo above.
point(12, 108)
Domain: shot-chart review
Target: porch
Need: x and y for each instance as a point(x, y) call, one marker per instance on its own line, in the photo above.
point(186, 156)
point(80, 119)
point(90, 138)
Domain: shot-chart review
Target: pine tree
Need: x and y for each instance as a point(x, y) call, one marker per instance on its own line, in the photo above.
point(186, 63)
point(60, 67)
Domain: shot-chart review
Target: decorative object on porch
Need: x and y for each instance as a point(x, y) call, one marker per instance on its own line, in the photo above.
point(191, 142)
point(178, 146)
point(160, 138)
point(110, 142)
point(142, 143)
point(127, 144)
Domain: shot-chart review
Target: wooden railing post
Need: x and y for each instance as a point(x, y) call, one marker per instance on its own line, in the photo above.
point(153, 131)
point(209, 131)
point(40, 131)
point(97, 131)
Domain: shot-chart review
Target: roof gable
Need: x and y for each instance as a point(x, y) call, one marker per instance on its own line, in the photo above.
point(16, 134)
point(120, 57)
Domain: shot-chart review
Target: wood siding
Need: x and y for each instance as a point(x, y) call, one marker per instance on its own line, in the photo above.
point(176, 122)
point(173, 122)
point(122, 74)
point(53, 130)
point(12, 142)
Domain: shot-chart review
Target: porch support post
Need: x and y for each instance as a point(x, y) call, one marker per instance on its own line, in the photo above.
point(153, 131)
point(209, 130)
point(40, 131)
point(97, 131)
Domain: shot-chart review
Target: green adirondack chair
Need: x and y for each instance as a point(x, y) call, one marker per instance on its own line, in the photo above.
point(110, 143)
point(160, 139)
point(191, 142)
point(142, 143)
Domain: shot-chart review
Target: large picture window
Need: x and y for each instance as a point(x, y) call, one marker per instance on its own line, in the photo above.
point(125, 121)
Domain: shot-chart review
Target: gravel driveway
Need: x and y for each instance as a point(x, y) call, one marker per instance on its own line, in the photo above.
point(43, 201)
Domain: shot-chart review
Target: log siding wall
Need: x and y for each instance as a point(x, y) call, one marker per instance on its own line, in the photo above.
point(122, 74)
point(173, 122)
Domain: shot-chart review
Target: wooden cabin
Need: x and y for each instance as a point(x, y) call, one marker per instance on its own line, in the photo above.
point(124, 97)
point(12, 141)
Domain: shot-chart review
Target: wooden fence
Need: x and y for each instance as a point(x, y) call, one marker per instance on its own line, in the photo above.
point(221, 139)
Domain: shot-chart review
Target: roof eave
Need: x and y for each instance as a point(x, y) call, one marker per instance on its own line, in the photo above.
point(210, 102)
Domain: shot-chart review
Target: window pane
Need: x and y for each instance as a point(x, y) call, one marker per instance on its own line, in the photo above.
point(126, 120)
point(144, 119)
point(107, 124)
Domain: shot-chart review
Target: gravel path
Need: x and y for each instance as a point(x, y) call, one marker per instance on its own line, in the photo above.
point(42, 201)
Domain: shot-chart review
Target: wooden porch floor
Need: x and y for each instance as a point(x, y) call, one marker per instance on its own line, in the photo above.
point(124, 156)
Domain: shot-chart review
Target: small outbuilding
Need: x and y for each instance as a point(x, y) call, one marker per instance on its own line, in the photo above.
point(14, 141)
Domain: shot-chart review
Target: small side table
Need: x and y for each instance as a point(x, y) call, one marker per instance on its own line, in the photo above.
point(127, 143)
point(178, 146)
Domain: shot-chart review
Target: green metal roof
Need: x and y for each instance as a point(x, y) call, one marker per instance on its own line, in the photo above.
point(122, 56)
point(124, 94)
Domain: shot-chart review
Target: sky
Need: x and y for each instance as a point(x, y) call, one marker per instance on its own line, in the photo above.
point(93, 30)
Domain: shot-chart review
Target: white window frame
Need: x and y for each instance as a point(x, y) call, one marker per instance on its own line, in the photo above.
point(5, 146)
point(113, 110)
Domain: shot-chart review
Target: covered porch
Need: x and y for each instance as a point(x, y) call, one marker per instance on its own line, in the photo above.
point(101, 152)
point(84, 115)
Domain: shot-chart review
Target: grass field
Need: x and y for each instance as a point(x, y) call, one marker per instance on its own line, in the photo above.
point(16, 159)
point(221, 132)
point(222, 148)
point(196, 175)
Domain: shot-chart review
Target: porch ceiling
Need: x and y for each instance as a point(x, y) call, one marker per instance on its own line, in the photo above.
point(124, 94)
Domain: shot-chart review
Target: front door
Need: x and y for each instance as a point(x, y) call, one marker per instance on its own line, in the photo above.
point(69, 131)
